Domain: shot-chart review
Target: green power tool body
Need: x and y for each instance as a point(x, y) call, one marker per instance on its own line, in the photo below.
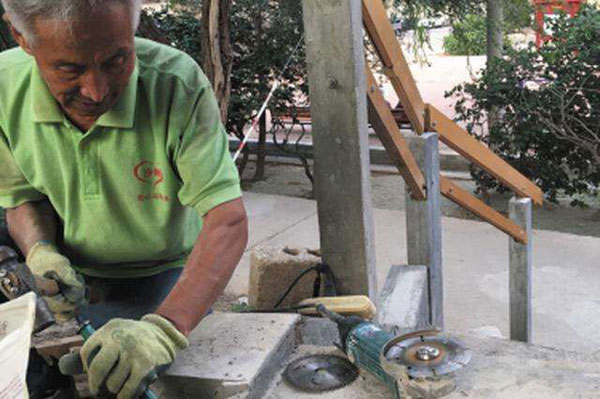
point(416, 365)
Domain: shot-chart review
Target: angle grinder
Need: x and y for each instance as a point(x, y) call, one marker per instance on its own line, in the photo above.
point(418, 365)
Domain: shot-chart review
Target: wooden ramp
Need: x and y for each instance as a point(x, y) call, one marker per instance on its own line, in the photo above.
point(426, 118)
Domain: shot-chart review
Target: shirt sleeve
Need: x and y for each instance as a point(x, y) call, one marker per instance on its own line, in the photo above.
point(14, 187)
point(202, 158)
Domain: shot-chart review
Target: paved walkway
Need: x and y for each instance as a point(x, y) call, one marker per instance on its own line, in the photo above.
point(565, 280)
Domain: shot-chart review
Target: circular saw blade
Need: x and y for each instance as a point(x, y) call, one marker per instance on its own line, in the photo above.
point(317, 373)
point(446, 356)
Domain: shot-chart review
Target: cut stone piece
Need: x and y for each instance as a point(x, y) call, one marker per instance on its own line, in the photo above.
point(230, 354)
point(404, 300)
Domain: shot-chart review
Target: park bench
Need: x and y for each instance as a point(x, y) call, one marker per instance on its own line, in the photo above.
point(301, 116)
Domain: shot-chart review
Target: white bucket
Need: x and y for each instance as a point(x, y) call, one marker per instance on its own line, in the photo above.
point(16, 325)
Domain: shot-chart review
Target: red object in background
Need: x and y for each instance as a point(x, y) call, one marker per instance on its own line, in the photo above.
point(545, 8)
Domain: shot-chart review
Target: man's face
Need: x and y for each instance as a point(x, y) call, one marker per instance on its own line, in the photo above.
point(86, 69)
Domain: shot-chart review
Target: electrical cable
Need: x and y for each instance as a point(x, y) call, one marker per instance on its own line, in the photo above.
point(321, 269)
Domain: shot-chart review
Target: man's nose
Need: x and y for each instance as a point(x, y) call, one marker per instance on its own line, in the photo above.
point(95, 86)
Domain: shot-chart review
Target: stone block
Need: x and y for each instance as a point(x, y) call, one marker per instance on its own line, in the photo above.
point(273, 269)
point(404, 300)
point(230, 355)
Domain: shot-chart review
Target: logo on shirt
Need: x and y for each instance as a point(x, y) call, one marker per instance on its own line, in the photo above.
point(147, 173)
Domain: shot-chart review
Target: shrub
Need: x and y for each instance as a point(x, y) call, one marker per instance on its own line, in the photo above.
point(468, 37)
point(548, 104)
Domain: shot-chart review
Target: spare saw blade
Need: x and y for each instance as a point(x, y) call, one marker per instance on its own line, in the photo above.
point(317, 373)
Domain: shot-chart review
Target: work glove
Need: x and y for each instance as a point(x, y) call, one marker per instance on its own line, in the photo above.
point(44, 260)
point(126, 356)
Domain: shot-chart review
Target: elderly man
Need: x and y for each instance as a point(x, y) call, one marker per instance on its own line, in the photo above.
point(116, 174)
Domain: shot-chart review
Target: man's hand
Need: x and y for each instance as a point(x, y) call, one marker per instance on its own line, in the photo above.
point(45, 261)
point(126, 355)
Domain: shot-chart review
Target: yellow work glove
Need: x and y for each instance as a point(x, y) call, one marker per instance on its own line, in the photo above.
point(44, 260)
point(127, 355)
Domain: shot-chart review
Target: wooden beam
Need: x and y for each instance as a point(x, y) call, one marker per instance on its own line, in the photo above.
point(466, 145)
point(396, 68)
point(387, 130)
point(462, 197)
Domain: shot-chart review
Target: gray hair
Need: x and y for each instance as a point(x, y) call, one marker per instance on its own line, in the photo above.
point(22, 13)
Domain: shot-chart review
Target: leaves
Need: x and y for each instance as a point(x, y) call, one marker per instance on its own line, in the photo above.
point(548, 104)
point(264, 35)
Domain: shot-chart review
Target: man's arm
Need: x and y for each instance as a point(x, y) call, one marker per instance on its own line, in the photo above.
point(209, 267)
point(31, 222)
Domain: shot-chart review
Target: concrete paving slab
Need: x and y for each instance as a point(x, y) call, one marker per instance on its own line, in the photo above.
point(230, 354)
point(499, 369)
point(271, 215)
point(502, 369)
point(566, 300)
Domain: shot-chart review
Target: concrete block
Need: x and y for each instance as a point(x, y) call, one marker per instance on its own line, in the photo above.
point(230, 354)
point(272, 271)
point(318, 331)
point(404, 300)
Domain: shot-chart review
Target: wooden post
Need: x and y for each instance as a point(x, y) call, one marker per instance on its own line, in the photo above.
point(336, 73)
point(424, 226)
point(521, 260)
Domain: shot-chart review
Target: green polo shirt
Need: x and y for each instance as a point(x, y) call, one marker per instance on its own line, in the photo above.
point(131, 191)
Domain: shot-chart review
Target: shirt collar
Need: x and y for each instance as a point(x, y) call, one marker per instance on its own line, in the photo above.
point(43, 105)
point(122, 113)
point(45, 109)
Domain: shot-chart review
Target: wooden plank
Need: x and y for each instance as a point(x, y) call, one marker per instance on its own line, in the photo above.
point(460, 141)
point(336, 73)
point(454, 192)
point(396, 68)
point(387, 130)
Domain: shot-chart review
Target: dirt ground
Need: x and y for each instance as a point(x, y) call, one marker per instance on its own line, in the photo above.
point(388, 193)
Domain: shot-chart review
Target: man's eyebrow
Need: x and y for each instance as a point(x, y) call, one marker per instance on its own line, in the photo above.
point(119, 52)
point(66, 63)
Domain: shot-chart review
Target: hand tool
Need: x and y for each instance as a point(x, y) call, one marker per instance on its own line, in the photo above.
point(86, 331)
point(420, 365)
point(16, 279)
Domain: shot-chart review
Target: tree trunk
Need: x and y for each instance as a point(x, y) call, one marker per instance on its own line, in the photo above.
point(216, 50)
point(495, 21)
point(495, 44)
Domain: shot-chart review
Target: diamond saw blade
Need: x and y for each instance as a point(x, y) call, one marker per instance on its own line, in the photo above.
point(317, 373)
point(429, 356)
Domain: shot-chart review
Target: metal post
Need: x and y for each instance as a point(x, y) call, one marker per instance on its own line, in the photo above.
point(423, 224)
point(521, 260)
point(336, 62)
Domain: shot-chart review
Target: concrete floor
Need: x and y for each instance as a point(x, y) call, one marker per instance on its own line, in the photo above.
point(565, 280)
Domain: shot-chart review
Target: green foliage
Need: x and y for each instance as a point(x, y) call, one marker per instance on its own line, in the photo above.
point(468, 36)
point(6, 40)
point(548, 103)
point(518, 14)
point(263, 35)
point(469, 33)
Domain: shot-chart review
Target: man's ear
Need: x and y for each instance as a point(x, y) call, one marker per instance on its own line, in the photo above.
point(18, 36)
